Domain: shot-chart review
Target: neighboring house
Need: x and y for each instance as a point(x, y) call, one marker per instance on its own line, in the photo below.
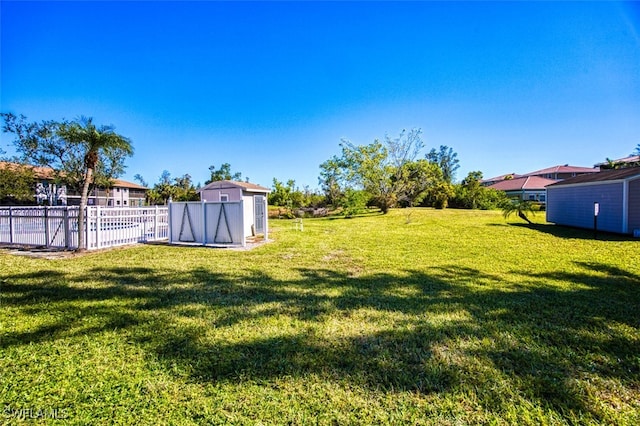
point(563, 172)
point(122, 194)
point(491, 181)
point(617, 192)
point(630, 161)
point(254, 198)
point(531, 188)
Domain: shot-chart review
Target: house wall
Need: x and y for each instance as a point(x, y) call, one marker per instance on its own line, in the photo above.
point(634, 205)
point(573, 206)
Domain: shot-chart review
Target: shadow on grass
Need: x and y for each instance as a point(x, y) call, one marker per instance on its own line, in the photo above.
point(458, 330)
point(574, 233)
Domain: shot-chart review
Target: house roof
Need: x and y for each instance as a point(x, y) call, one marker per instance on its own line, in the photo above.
point(629, 159)
point(46, 173)
point(228, 184)
point(502, 177)
point(563, 169)
point(522, 183)
point(603, 176)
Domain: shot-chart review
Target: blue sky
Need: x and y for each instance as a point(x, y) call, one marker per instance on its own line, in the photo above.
point(271, 88)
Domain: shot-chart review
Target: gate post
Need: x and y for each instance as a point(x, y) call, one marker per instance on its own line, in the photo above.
point(67, 233)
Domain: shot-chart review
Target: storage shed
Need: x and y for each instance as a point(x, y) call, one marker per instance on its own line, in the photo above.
point(617, 193)
point(254, 198)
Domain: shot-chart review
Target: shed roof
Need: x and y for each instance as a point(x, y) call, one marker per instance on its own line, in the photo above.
point(603, 176)
point(525, 182)
point(228, 184)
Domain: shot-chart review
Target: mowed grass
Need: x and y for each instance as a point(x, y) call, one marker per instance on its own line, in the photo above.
point(416, 317)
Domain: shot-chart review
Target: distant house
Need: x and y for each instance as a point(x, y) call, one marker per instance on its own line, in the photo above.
point(254, 198)
point(563, 172)
point(617, 192)
point(46, 191)
point(528, 188)
point(630, 161)
point(491, 181)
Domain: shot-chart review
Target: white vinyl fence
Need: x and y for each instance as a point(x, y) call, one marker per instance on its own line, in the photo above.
point(57, 227)
point(207, 223)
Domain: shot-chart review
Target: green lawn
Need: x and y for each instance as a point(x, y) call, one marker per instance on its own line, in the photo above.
point(432, 317)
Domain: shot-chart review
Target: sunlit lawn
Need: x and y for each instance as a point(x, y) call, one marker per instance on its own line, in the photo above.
point(420, 316)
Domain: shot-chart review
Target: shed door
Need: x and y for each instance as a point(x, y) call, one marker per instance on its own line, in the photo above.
point(259, 211)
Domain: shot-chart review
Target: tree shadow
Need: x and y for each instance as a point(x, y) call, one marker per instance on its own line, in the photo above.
point(540, 338)
point(567, 232)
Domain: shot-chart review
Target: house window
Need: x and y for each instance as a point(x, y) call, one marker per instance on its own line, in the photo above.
point(224, 197)
point(117, 189)
point(117, 202)
point(125, 202)
point(543, 198)
point(532, 197)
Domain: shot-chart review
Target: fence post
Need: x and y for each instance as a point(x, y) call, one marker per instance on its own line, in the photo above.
point(46, 226)
point(204, 222)
point(170, 224)
point(86, 226)
point(10, 225)
point(98, 226)
point(155, 224)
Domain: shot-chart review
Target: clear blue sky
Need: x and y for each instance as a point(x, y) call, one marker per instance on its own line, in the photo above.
point(272, 87)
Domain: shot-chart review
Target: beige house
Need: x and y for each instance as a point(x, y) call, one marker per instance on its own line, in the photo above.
point(46, 191)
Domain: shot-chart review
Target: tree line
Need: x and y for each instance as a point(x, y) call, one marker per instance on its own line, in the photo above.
point(387, 173)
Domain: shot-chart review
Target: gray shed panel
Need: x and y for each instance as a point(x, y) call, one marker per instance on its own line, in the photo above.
point(634, 205)
point(573, 206)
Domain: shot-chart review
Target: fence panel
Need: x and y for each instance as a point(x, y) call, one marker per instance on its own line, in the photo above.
point(57, 227)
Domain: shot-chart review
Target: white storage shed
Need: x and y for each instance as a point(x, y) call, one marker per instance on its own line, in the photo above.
point(254, 198)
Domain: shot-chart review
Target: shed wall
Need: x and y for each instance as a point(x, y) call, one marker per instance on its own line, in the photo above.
point(573, 206)
point(249, 219)
point(235, 194)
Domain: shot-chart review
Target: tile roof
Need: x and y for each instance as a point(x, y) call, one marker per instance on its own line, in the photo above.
point(629, 159)
point(225, 184)
point(501, 177)
point(525, 182)
point(563, 169)
point(47, 173)
point(603, 176)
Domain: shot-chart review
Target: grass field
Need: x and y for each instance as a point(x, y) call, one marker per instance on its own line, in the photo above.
point(416, 317)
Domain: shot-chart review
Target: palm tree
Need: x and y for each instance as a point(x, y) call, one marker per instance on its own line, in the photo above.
point(519, 207)
point(94, 142)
